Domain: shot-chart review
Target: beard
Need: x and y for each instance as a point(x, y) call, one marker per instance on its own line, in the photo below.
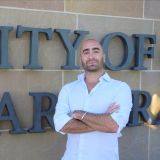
point(93, 65)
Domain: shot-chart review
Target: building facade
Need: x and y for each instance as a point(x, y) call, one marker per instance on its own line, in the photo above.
point(99, 17)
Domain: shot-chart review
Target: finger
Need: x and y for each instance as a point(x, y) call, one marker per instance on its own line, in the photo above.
point(113, 107)
point(113, 104)
point(115, 110)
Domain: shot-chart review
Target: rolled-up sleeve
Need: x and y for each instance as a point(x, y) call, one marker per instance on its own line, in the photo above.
point(124, 100)
point(62, 110)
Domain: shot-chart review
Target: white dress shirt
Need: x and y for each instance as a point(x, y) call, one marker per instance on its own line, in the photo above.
point(74, 96)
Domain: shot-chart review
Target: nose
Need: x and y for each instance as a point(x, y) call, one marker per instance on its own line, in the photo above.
point(90, 55)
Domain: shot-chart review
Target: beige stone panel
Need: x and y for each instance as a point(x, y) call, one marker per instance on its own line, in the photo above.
point(51, 52)
point(57, 5)
point(150, 82)
point(70, 76)
point(154, 153)
point(151, 9)
point(45, 81)
point(156, 59)
point(132, 78)
point(20, 83)
point(127, 8)
point(39, 19)
point(101, 26)
point(133, 144)
point(35, 146)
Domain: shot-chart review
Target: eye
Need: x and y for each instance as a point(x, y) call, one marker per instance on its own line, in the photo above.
point(85, 53)
point(96, 51)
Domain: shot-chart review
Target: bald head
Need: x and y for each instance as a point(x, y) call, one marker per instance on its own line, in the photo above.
point(90, 42)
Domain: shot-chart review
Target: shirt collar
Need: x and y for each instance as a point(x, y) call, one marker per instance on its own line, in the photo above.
point(105, 77)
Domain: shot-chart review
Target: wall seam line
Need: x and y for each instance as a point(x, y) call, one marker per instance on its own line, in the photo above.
point(143, 8)
point(77, 21)
point(64, 5)
point(152, 33)
point(75, 70)
point(140, 85)
point(86, 14)
point(149, 144)
point(62, 79)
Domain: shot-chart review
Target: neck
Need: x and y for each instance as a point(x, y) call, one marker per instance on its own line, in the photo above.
point(93, 77)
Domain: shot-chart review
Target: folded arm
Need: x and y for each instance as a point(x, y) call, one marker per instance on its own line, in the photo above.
point(76, 126)
point(91, 122)
point(107, 122)
point(99, 122)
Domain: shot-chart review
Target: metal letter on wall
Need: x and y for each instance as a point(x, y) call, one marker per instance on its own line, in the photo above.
point(141, 51)
point(139, 109)
point(10, 114)
point(34, 42)
point(39, 113)
point(128, 50)
point(4, 32)
point(70, 48)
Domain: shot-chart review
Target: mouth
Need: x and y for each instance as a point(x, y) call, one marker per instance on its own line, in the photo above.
point(93, 62)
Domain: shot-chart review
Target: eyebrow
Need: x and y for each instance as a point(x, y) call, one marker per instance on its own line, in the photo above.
point(92, 49)
point(96, 48)
point(85, 50)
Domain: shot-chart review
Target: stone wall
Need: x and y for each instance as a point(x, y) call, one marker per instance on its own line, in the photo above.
point(99, 17)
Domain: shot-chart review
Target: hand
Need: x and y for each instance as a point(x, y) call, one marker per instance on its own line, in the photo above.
point(77, 114)
point(114, 107)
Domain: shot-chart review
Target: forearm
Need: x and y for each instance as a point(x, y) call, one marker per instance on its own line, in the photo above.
point(99, 122)
point(76, 126)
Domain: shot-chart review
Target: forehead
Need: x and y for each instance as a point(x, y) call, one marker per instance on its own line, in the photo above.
point(89, 44)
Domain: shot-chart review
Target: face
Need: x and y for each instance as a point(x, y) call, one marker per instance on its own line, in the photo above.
point(91, 56)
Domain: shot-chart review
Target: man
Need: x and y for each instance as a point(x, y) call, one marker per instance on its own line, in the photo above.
point(93, 109)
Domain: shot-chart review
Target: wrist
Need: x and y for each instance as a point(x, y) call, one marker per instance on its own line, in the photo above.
point(82, 117)
point(78, 114)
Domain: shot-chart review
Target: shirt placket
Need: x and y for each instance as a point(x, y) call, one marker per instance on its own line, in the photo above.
point(82, 139)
